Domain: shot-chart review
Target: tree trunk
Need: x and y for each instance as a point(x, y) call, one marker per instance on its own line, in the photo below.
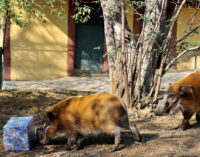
point(131, 64)
point(110, 40)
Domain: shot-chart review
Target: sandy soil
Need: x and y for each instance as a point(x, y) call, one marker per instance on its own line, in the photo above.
point(160, 138)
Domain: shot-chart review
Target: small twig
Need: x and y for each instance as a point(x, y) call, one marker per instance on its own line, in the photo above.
point(188, 33)
point(180, 55)
point(164, 55)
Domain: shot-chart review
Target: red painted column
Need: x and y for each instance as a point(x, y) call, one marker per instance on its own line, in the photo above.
point(71, 39)
point(137, 24)
point(7, 56)
point(170, 11)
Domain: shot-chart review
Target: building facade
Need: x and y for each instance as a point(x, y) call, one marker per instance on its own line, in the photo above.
point(56, 48)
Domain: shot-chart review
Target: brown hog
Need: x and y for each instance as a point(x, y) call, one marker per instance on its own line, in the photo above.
point(81, 115)
point(184, 96)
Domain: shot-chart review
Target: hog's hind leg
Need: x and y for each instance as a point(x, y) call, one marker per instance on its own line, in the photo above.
point(135, 130)
point(113, 130)
point(117, 135)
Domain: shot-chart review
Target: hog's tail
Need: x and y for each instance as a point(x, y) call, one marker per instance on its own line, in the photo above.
point(135, 130)
point(131, 123)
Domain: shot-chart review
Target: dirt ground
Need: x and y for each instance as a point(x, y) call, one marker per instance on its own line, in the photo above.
point(160, 138)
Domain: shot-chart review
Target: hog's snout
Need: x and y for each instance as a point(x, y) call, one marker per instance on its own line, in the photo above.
point(157, 112)
point(162, 107)
point(40, 134)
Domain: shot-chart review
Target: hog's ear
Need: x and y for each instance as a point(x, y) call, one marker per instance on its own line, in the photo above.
point(51, 116)
point(182, 90)
point(185, 88)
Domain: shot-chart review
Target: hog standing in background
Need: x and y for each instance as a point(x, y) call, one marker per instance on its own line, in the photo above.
point(184, 96)
point(81, 115)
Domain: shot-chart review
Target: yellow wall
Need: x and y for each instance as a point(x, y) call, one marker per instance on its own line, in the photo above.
point(187, 61)
point(39, 51)
point(130, 21)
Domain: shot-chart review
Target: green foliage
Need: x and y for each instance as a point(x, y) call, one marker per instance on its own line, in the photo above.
point(139, 4)
point(20, 12)
point(132, 6)
point(85, 11)
point(82, 12)
point(97, 48)
point(187, 44)
point(90, 12)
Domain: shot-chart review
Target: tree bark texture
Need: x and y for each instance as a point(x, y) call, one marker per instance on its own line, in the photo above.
point(131, 61)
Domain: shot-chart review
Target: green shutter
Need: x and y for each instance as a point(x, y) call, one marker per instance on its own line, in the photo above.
point(89, 46)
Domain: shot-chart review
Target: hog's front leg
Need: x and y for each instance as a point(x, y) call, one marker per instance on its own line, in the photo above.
point(81, 141)
point(72, 137)
point(185, 122)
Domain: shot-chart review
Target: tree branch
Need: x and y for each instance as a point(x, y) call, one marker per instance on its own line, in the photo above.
point(173, 22)
point(189, 31)
point(194, 16)
point(150, 40)
point(164, 55)
point(186, 35)
point(123, 25)
point(180, 55)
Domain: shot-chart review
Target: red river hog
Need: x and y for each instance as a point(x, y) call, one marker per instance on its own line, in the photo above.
point(81, 115)
point(184, 96)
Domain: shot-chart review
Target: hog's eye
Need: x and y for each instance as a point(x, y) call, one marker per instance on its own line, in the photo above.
point(171, 95)
point(166, 104)
point(167, 107)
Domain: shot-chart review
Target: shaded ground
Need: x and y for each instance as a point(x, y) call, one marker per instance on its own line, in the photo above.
point(160, 139)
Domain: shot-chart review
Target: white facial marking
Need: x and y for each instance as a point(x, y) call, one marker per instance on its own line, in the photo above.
point(176, 108)
point(161, 104)
point(45, 135)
